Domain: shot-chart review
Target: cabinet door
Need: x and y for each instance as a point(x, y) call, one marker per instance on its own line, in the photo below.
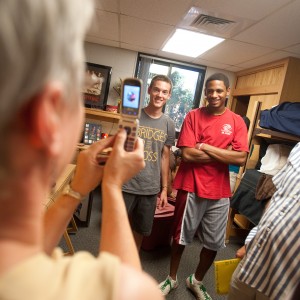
point(267, 101)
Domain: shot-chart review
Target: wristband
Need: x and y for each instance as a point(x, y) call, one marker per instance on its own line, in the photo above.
point(200, 146)
point(70, 192)
point(164, 187)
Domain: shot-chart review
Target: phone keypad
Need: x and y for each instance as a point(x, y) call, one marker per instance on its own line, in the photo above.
point(131, 137)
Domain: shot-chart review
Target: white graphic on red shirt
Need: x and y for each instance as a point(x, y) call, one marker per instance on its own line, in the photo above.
point(226, 129)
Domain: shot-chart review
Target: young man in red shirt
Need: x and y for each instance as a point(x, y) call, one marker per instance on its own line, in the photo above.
point(211, 138)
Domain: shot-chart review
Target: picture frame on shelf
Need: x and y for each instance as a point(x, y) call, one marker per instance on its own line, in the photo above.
point(96, 94)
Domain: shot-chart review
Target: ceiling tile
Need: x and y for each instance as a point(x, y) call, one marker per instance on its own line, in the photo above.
point(273, 56)
point(105, 26)
point(161, 11)
point(275, 31)
point(233, 69)
point(253, 10)
point(211, 64)
point(294, 49)
point(100, 41)
point(233, 52)
point(144, 33)
point(175, 56)
point(108, 5)
point(139, 49)
point(145, 26)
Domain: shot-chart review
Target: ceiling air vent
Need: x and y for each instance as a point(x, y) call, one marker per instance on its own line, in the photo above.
point(205, 20)
point(213, 23)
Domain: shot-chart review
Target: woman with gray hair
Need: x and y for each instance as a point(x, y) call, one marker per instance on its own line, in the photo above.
point(41, 78)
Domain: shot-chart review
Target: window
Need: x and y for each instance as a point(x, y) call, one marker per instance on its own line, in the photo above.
point(187, 84)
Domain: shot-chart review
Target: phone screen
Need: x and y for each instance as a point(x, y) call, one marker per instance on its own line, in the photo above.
point(131, 100)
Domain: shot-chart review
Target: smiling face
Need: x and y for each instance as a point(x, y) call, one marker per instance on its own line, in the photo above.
point(160, 92)
point(216, 93)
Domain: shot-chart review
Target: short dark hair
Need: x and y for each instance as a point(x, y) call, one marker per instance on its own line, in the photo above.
point(162, 78)
point(218, 76)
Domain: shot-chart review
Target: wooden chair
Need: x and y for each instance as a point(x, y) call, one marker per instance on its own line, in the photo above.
point(60, 184)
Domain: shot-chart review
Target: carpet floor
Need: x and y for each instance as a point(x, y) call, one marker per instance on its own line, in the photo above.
point(155, 262)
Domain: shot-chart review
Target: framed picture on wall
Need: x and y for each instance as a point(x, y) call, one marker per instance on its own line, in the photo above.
point(96, 93)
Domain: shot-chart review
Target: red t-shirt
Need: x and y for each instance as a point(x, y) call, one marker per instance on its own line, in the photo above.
point(210, 180)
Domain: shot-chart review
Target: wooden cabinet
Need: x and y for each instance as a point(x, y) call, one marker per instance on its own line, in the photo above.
point(258, 89)
point(257, 137)
point(262, 88)
point(270, 84)
point(257, 134)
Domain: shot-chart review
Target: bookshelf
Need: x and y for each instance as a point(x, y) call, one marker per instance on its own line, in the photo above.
point(97, 114)
point(108, 120)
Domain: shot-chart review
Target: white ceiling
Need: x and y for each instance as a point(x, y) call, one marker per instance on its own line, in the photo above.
point(267, 30)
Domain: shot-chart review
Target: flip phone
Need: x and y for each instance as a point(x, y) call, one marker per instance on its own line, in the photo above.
point(130, 114)
point(130, 110)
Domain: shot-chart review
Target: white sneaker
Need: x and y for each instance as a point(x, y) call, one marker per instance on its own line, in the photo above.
point(168, 285)
point(198, 289)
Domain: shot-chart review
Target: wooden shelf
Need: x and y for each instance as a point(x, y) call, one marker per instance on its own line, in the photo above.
point(267, 133)
point(258, 131)
point(97, 114)
point(255, 134)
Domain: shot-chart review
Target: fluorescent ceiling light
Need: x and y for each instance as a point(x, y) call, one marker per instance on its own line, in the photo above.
point(190, 43)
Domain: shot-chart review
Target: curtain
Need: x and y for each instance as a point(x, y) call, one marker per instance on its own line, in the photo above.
point(143, 74)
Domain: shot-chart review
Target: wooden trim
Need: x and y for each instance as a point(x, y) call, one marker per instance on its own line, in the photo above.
point(257, 90)
point(271, 134)
point(102, 115)
point(254, 117)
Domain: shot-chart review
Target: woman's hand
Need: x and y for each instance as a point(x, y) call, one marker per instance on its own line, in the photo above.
point(89, 172)
point(122, 165)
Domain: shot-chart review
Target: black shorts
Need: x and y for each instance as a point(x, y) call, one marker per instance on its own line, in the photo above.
point(141, 210)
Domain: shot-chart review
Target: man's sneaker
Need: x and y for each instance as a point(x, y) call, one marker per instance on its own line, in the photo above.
point(198, 289)
point(168, 285)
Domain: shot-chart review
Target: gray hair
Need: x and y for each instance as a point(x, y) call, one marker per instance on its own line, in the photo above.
point(40, 40)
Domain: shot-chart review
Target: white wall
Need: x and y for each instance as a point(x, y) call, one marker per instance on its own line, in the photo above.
point(122, 62)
